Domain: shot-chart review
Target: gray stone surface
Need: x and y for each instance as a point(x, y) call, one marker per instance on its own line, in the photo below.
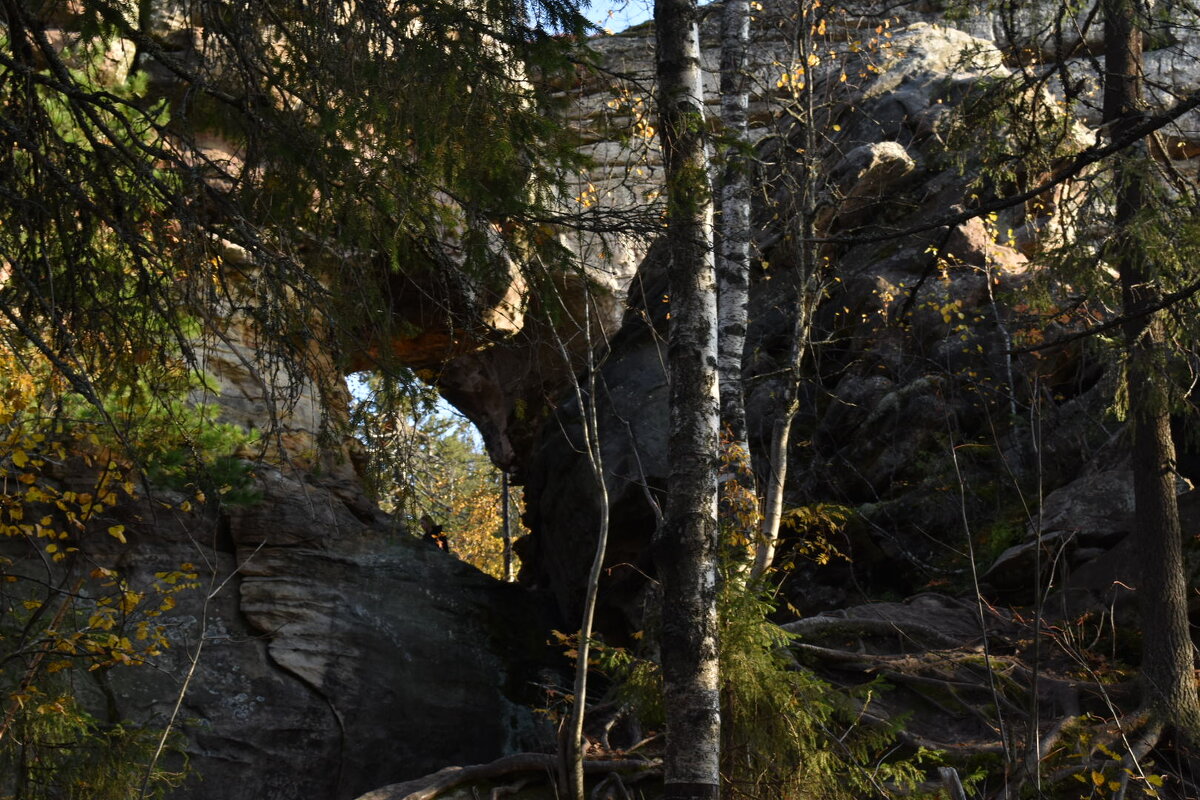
point(336, 656)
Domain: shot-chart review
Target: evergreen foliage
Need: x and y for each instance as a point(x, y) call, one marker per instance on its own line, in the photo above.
point(64, 753)
point(335, 190)
point(785, 733)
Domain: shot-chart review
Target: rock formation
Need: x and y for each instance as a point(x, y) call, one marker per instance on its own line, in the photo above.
point(332, 656)
point(909, 399)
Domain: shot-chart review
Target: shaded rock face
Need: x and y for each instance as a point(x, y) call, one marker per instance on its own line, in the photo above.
point(913, 413)
point(1082, 542)
point(332, 656)
point(561, 496)
point(852, 449)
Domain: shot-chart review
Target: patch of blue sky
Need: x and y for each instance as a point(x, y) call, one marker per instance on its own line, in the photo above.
point(617, 15)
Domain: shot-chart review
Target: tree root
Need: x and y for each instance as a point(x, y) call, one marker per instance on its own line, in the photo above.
point(1138, 734)
point(611, 788)
point(431, 786)
point(955, 674)
point(952, 687)
point(831, 626)
point(512, 788)
point(917, 741)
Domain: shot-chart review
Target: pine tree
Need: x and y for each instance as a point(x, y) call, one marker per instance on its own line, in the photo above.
point(1167, 658)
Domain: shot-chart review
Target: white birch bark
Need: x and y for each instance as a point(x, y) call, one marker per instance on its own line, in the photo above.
point(685, 548)
point(733, 258)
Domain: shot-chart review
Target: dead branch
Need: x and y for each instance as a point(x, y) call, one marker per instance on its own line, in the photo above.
point(431, 786)
point(652, 737)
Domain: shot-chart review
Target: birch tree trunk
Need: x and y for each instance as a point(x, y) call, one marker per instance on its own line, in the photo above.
point(1167, 661)
point(685, 548)
point(733, 259)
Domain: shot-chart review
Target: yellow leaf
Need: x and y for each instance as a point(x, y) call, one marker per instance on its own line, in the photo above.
point(118, 533)
point(130, 600)
point(1098, 778)
point(20, 458)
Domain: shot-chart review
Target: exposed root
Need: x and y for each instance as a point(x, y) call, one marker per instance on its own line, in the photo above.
point(955, 749)
point(1053, 722)
point(1135, 736)
point(907, 630)
point(512, 788)
point(611, 788)
point(443, 780)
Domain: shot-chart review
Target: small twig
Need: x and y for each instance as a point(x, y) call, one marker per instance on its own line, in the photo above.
point(194, 662)
point(652, 737)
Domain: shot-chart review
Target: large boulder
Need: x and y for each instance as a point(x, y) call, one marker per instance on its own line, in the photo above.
point(324, 654)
